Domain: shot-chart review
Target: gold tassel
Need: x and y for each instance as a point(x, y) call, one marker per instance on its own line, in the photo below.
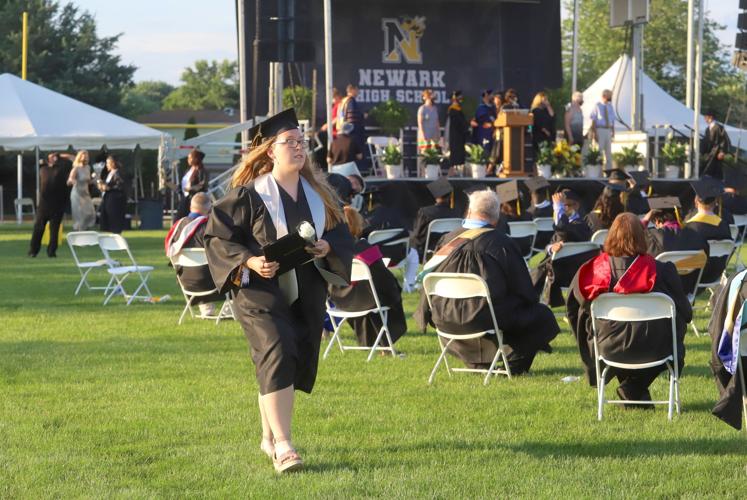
point(370, 201)
point(451, 201)
point(677, 216)
point(518, 207)
point(650, 190)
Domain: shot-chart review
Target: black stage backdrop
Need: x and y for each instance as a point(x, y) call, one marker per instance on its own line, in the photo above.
point(395, 49)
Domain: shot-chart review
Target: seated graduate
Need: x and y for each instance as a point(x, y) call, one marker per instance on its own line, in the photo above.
point(189, 232)
point(441, 191)
point(358, 296)
point(569, 227)
point(478, 248)
point(733, 200)
point(625, 267)
point(343, 187)
point(709, 225)
point(726, 341)
point(541, 206)
point(637, 197)
point(510, 197)
point(607, 207)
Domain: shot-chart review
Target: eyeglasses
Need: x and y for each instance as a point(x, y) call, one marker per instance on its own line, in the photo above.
point(294, 143)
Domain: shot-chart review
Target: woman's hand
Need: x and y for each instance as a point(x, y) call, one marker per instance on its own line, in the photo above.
point(555, 247)
point(260, 266)
point(320, 249)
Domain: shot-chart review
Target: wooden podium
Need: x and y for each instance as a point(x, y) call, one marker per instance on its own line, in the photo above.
point(513, 129)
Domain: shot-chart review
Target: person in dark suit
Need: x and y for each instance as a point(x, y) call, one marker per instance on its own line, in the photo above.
point(114, 202)
point(714, 146)
point(441, 191)
point(194, 181)
point(54, 194)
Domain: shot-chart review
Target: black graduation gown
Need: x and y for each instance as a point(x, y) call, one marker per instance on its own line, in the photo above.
point(667, 239)
point(384, 217)
point(284, 339)
point(729, 405)
point(594, 220)
point(542, 122)
point(457, 133)
point(561, 271)
point(636, 203)
point(527, 325)
point(114, 204)
point(715, 141)
point(631, 342)
point(734, 203)
point(358, 296)
point(198, 184)
point(196, 279)
point(425, 216)
point(720, 231)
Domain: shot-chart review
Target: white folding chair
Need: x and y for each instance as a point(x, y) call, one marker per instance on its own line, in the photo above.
point(544, 225)
point(20, 203)
point(636, 308)
point(524, 229)
point(376, 145)
point(116, 243)
point(81, 240)
point(569, 250)
point(459, 286)
point(687, 262)
point(718, 248)
point(599, 237)
point(360, 273)
point(741, 222)
point(439, 226)
point(376, 237)
point(196, 257)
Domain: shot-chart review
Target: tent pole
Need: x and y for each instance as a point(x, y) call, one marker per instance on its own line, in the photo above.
point(697, 92)
point(328, 68)
point(574, 59)
point(690, 52)
point(19, 216)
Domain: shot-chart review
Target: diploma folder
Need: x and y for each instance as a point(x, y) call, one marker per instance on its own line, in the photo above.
point(289, 251)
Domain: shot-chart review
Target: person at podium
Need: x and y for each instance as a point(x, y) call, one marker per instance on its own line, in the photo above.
point(482, 123)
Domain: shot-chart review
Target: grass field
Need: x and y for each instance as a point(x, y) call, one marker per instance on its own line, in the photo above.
point(119, 401)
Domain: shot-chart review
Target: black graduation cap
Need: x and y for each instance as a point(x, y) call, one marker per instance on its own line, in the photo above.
point(342, 186)
point(440, 188)
point(708, 188)
point(569, 193)
point(614, 187)
point(508, 191)
point(663, 203)
point(617, 174)
point(456, 94)
point(535, 184)
point(272, 126)
point(735, 179)
point(641, 179)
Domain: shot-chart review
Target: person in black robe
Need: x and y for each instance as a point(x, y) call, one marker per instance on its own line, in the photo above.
point(543, 128)
point(627, 342)
point(722, 328)
point(709, 225)
point(733, 199)
point(457, 129)
point(607, 207)
point(441, 191)
point(714, 146)
point(482, 123)
point(274, 191)
point(550, 276)
point(636, 198)
point(189, 232)
point(541, 207)
point(358, 296)
point(508, 193)
point(54, 193)
point(195, 180)
point(114, 202)
point(527, 325)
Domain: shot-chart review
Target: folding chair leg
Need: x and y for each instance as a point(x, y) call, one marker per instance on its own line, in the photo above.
point(438, 362)
point(670, 410)
point(376, 343)
point(187, 307)
point(695, 328)
point(114, 288)
point(335, 336)
point(498, 354)
point(600, 388)
point(83, 280)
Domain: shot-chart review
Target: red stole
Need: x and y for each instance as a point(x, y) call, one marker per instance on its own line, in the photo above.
point(370, 255)
point(595, 276)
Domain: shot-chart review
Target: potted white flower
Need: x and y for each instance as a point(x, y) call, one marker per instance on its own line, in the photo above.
point(544, 160)
point(674, 155)
point(432, 158)
point(593, 162)
point(392, 158)
point(476, 160)
point(629, 159)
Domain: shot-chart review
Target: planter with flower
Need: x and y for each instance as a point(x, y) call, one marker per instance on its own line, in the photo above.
point(432, 157)
point(391, 156)
point(566, 160)
point(476, 160)
point(674, 155)
point(544, 158)
point(629, 159)
point(593, 162)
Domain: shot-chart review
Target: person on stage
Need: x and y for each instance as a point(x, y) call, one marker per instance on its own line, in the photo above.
point(429, 125)
point(114, 202)
point(573, 120)
point(441, 191)
point(273, 193)
point(482, 123)
point(603, 126)
point(495, 158)
point(715, 146)
point(53, 198)
point(457, 131)
point(543, 129)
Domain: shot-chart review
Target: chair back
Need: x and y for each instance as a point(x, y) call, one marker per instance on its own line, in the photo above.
point(734, 230)
point(455, 285)
point(380, 141)
point(686, 261)
point(720, 248)
point(575, 248)
point(444, 225)
point(83, 238)
point(633, 307)
point(740, 220)
point(190, 257)
point(114, 243)
point(522, 229)
point(375, 237)
point(599, 237)
point(361, 272)
point(544, 224)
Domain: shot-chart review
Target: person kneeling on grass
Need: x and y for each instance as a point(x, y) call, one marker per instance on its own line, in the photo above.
point(478, 248)
point(624, 267)
point(188, 232)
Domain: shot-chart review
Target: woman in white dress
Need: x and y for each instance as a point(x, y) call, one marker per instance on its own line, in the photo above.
point(84, 215)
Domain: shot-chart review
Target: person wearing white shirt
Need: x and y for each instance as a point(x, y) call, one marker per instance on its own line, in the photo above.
point(603, 126)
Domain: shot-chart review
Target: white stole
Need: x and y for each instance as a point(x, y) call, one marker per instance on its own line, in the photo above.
point(267, 188)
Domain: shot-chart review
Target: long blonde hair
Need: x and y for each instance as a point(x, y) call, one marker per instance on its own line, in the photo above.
point(258, 163)
point(537, 101)
point(78, 162)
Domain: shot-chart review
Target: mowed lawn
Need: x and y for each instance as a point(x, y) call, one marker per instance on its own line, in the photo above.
point(114, 401)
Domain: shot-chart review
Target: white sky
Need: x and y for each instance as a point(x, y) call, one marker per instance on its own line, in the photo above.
point(162, 37)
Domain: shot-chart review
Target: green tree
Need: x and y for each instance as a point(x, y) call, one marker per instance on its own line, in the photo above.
point(65, 53)
point(209, 85)
point(298, 97)
point(145, 97)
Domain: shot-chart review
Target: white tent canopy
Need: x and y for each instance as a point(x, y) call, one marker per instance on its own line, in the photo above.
point(659, 108)
point(32, 116)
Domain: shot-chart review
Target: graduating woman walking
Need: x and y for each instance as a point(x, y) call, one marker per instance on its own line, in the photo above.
point(274, 191)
